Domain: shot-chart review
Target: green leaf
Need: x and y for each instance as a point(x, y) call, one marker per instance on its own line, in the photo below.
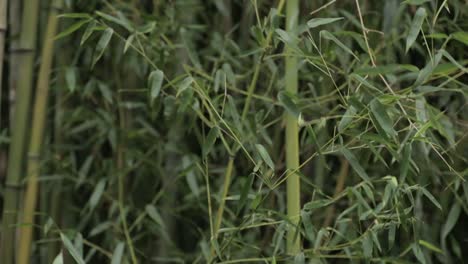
point(405, 161)
point(299, 258)
point(386, 69)
point(119, 21)
point(418, 253)
point(415, 27)
point(315, 22)
point(71, 249)
point(347, 118)
point(155, 81)
point(184, 85)
point(287, 102)
point(452, 219)
point(415, 2)
point(355, 164)
point(380, 114)
point(97, 193)
point(128, 42)
point(430, 197)
point(312, 205)
point(210, 141)
point(265, 156)
point(154, 215)
point(220, 79)
point(367, 246)
point(327, 35)
point(89, 30)
point(118, 253)
point(190, 175)
point(364, 82)
point(58, 259)
point(75, 15)
point(102, 45)
point(245, 192)
point(71, 29)
point(70, 78)
point(461, 36)
point(430, 246)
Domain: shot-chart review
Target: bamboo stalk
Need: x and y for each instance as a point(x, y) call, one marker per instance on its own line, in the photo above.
point(222, 202)
point(39, 116)
point(3, 28)
point(340, 182)
point(19, 131)
point(292, 136)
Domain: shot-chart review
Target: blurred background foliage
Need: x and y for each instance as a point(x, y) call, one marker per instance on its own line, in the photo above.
point(150, 105)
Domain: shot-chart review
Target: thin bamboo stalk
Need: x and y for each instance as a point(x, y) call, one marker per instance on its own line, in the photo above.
point(292, 136)
point(340, 182)
point(18, 139)
point(56, 198)
point(14, 30)
point(3, 28)
point(39, 116)
point(222, 202)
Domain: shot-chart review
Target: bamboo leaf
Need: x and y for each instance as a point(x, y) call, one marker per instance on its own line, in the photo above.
point(430, 246)
point(380, 113)
point(355, 164)
point(70, 78)
point(287, 102)
point(461, 36)
point(315, 22)
point(71, 249)
point(71, 29)
point(210, 140)
point(75, 15)
point(102, 45)
point(128, 43)
point(452, 219)
point(154, 215)
point(97, 193)
point(415, 27)
point(89, 30)
point(430, 197)
point(245, 192)
point(418, 253)
point(155, 81)
point(118, 21)
point(118, 253)
point(265, 156)
point(58, 259)
point(327, 35)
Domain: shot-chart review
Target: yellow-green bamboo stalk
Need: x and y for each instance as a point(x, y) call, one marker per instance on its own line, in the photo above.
point(19, 131)
point(292, 136)
point(3, 28)
point(39, 116)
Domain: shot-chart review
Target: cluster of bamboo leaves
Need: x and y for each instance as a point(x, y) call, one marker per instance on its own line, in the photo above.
point(242, 131)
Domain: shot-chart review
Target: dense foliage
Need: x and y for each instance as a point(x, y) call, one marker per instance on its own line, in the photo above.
point(165, 143)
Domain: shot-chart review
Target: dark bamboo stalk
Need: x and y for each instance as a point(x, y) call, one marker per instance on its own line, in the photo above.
point(18, 139)
point(39, 116)
point(3, 28)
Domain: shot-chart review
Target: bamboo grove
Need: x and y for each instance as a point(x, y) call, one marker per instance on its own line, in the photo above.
point(233, 131)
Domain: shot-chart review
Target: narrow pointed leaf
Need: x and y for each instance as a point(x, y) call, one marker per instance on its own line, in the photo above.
point(415, 27)
point(102, 45)
point(155, 81)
